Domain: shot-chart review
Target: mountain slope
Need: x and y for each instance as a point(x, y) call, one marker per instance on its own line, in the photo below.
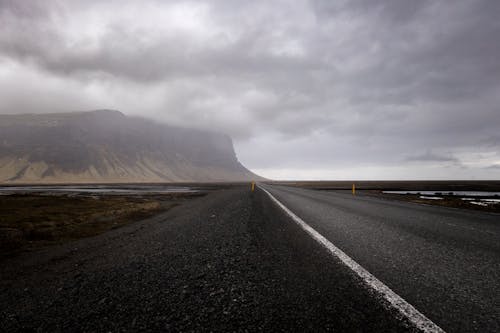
point(106, 146)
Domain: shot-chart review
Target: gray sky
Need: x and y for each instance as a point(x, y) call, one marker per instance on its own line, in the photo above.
point(307, 89)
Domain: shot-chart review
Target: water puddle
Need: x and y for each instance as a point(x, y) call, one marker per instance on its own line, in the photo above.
point(451, 193)
point(479, 198)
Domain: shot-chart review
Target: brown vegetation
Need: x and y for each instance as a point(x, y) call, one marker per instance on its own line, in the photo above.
point(30, 220)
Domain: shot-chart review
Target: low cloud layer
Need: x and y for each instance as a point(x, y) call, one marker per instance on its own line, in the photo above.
point(307, 89)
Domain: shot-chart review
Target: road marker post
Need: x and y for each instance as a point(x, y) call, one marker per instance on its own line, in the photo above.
point(353, 189)
point(253, 186)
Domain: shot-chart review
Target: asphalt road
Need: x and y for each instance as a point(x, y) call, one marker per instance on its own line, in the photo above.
point(444, 261)
point(229, 261)
point(233, 261)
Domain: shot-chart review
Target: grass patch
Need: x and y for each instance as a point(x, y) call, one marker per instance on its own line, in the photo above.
point(28, 221)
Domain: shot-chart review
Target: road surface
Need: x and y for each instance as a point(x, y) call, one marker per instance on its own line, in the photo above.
point(233, 261)
point(443, 261)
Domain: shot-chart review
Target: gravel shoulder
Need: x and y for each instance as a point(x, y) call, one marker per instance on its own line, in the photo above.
point(229, 261)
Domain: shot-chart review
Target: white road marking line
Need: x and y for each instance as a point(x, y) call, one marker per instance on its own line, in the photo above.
point(394, 300)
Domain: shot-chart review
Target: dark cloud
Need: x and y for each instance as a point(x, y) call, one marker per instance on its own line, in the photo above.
point(320, 85)
point(26, 9)
point(492, 141)
point(431, 157)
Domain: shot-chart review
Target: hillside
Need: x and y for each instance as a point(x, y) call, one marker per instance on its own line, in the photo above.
point(106, 146)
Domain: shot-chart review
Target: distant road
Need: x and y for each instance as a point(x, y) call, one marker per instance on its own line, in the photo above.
point(445, 262)
point(233, 261)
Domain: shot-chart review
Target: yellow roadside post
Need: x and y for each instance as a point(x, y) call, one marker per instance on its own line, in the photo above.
point(353, 189)
point(253, 186)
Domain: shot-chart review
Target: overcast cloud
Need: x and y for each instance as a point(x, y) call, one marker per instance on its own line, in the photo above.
point(307, 89)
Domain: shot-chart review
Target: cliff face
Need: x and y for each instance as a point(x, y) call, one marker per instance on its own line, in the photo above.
point(106, 146)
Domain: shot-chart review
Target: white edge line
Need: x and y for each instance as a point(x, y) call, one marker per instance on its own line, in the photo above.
point(394, 300)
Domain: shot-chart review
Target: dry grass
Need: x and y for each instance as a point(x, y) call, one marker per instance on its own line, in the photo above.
point(33, 220)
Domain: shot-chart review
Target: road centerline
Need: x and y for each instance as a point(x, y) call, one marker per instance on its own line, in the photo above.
point(395, 301)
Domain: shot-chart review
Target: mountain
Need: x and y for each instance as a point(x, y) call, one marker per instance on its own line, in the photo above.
point(106, 146)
